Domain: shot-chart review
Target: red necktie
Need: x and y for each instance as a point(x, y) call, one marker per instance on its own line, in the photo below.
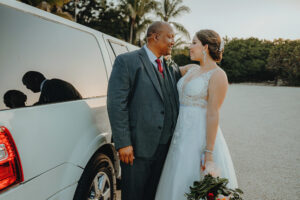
point(160, 68)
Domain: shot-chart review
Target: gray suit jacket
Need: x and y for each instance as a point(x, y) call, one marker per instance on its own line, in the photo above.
point(135, 102)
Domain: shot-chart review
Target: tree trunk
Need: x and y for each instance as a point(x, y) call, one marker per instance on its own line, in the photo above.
point(276, 80)
point(131, 31)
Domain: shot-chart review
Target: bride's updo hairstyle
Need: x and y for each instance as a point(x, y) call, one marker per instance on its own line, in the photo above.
point(213, 40)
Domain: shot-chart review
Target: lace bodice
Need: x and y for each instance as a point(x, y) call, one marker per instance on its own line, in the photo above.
point(193, 86)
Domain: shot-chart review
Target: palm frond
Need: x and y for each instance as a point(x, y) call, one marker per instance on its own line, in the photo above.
point(181, 10)
point(149, 6)
point(173, 6)
point(166, 8)
point(179, 42)
point(179, 27)
point(160, 14)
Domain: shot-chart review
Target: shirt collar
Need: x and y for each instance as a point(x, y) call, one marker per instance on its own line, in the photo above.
point(42, 84)
point(151, 56)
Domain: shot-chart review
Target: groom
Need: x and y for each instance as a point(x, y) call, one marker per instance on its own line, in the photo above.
point(142, 105)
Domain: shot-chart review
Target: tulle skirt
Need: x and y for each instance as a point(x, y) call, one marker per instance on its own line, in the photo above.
point(182, 165)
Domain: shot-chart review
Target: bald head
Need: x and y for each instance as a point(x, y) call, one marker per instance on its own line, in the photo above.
point(160, 38)
point(157, 27)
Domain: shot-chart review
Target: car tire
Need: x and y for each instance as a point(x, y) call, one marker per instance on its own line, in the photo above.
point(98, 181)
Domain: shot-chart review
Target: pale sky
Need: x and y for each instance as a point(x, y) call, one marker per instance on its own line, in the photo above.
point(263, 19)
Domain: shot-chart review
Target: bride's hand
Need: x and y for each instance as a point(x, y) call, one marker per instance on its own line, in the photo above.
point(209, 166)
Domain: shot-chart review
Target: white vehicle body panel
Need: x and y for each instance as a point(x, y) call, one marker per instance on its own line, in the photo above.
point(55, 141)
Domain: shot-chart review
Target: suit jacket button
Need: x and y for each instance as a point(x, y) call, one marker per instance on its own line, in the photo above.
point(159, 127)
point(162, 112)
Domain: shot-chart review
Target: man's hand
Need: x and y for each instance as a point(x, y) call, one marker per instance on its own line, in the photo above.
point(126, 155)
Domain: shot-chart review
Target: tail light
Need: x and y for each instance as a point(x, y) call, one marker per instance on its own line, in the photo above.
point(11, 172)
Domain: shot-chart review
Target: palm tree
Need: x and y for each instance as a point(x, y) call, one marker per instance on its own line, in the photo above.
point(178, 43)
point(169, 9)
point(137, 9)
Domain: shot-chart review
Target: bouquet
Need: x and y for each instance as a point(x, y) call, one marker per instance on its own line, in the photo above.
point(213, 188)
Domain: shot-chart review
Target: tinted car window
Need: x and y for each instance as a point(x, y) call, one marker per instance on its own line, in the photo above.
point(71, 58)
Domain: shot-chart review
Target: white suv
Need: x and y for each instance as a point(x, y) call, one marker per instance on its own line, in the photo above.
point(55, 149)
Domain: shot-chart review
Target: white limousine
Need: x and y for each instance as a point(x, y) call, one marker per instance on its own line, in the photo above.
point(55, 137)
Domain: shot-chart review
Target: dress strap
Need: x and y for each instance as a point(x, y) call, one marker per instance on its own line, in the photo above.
point(193, 68)
point(210, 73)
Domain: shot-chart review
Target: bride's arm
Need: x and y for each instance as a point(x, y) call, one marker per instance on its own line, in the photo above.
point(185, 68)
point(217, 89)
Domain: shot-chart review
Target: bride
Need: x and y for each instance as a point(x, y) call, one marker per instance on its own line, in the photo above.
point(202, 90)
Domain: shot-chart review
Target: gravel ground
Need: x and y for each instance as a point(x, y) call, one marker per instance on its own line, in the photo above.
point(261, 127)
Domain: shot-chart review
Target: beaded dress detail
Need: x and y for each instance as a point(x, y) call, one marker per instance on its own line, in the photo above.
point(191, 95)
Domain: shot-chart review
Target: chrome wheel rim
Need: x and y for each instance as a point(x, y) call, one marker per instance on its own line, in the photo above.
point(101, 188)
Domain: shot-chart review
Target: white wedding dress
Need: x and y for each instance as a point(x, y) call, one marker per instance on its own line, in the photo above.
point(182, 165)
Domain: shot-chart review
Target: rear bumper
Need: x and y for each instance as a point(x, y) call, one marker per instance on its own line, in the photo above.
point(58, 183)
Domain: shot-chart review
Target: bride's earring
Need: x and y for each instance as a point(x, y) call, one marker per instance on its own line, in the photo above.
point(204, 57)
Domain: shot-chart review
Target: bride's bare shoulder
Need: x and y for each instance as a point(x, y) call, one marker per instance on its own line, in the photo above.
point(185, 68)
point(219, 76)
point(221, 72)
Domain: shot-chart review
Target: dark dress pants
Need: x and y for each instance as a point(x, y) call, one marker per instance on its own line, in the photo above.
point(140, 180)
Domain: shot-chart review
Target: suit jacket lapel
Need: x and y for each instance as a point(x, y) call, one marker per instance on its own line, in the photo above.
point(150, 71)
point(171, 75)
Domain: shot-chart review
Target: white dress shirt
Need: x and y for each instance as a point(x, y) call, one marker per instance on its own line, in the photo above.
point(152, 57)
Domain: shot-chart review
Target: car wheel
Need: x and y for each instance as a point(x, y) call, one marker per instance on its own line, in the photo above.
point(98, 181)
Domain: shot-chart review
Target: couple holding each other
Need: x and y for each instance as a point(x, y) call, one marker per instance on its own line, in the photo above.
point(163, 118)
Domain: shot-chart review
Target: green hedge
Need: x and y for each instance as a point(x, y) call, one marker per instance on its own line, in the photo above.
point(254, 60)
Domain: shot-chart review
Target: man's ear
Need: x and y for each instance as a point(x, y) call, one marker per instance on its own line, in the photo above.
point(156, 36)
point(205, 47)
